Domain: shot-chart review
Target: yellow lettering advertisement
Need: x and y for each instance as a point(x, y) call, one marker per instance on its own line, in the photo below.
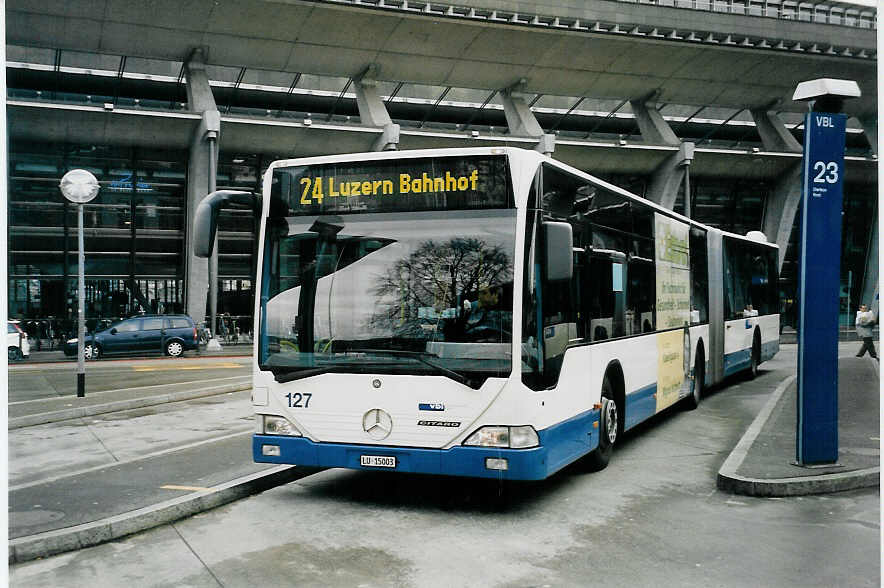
point(670, 367)
point(673, 272)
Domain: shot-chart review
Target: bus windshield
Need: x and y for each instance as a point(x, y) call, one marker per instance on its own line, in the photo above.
point(426, 292)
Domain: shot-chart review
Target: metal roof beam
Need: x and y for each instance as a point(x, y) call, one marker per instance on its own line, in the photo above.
point(178, 84)
point(57, 70)
point(479, 109)
point(120, 71)
point(340, 97)
point(433, 108)
point(395, 91)
point(568, 112)
point(236, 84)
point(288, 94)
point(688, 119)
point(607, 116)
point(711, 133)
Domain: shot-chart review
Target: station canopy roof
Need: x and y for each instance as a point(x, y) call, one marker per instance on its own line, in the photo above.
point(270, 42)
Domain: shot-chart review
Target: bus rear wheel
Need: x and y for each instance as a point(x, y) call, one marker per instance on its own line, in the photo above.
point(696, 396)
point(754, 360)
point(609, 427)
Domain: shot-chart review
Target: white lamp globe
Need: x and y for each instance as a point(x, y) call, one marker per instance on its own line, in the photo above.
point(79, 186)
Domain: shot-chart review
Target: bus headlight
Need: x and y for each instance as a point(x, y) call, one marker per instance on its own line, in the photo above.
point(521, 437)
point(269, 424)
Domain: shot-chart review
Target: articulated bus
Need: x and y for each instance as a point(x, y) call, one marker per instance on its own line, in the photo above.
point(483, 312)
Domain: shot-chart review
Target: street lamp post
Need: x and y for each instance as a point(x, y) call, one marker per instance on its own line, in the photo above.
point(80, 186)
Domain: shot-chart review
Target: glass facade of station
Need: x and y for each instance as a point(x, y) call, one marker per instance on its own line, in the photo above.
point(133, 235)
point(135, 229)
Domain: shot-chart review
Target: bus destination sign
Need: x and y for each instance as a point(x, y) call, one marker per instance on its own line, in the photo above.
point(318, 188)
point(449, 183)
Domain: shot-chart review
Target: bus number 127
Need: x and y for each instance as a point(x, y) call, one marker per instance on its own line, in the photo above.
point(296, 398)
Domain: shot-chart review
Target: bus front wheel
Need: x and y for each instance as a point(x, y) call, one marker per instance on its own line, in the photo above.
point(609, 426)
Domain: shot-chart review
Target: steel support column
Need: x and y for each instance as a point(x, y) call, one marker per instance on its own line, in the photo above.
point(372, 111)
point(870, 127)
point(870, 278)
point(781, 206)
point(673, 171)
point(522, 122)
point(201, 163)
point(774, 134)
point(669, 176)
point(780, 209)
point(653, 128)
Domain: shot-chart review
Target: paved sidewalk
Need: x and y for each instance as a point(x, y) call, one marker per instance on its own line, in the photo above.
point(763, 463)
point(51, 410)
point(89, 473)
point(216, 464)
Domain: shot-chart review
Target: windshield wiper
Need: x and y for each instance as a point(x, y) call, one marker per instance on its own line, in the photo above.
point(283, 374)
point(421, 356)
point(296, 374)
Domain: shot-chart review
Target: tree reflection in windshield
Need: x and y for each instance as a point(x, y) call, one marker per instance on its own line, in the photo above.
point(391, 282)
point(442, 291)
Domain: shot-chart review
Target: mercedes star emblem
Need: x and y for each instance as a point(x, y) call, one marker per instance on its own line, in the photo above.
point(377, 424)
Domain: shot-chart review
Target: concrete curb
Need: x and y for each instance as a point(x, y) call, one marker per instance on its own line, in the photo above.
point(730, 481)
point(96, 409)
point(33, 547)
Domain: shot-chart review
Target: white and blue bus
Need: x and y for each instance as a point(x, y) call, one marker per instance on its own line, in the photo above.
point(483, 312)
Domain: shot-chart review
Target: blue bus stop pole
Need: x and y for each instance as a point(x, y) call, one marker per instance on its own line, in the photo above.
point(819, 288)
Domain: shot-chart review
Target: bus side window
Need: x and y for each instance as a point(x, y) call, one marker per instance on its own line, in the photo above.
point(699, 277)
point(734, 288)
point(600, 299)
point(763, 288)
point(750, 280)
point(609, 271)
point(641, 289)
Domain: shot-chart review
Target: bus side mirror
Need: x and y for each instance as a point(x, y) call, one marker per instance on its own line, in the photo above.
point(205, 221)
point(558, 243)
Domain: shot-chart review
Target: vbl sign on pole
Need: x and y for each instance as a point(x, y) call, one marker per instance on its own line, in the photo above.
point(819, 288)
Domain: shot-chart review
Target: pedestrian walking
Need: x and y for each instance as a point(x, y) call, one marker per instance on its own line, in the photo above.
point(865, 320)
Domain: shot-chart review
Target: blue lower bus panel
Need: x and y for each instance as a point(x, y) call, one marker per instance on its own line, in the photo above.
point(521, 464)
point(559, 446)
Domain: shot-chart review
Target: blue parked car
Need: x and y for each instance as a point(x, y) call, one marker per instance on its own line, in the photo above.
point(169, 334)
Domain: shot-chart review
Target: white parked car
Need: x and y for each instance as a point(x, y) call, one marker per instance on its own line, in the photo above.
point(17, 342)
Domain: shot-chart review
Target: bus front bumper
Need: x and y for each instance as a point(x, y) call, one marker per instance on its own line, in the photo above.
point(482, 462)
